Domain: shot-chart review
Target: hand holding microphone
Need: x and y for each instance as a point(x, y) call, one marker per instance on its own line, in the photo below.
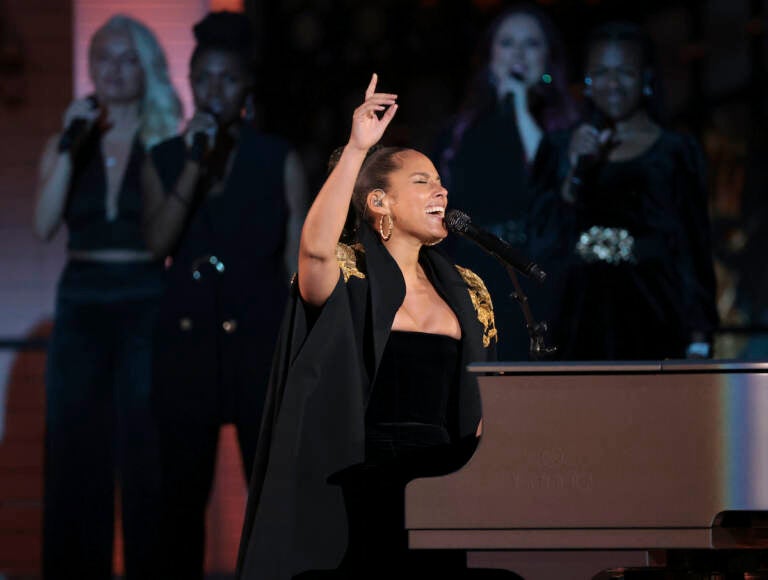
point(510, 81)
point(588, 145)
point(200, 135)
point(79, 117)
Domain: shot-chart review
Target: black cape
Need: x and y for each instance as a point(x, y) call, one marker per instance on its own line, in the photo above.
point(313, 424)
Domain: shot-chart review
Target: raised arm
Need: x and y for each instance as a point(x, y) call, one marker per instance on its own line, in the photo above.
point(586, 142)
point(318, 269)
point(55, 172)
point(165, 212)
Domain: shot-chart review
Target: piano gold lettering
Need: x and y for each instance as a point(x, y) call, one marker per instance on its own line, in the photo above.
point(571, 480)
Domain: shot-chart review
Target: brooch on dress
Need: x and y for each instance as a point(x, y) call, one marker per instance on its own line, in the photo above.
point(604, 244)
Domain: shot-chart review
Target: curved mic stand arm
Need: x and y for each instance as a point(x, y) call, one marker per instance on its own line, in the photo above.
point(537, 348)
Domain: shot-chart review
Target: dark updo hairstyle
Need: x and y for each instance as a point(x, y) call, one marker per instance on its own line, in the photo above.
point(631, 33)
point(374, 174)
point(229, 32)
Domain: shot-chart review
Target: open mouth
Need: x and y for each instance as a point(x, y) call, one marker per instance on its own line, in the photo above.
point(436, 210)
point(518, 71)
point(214, 108)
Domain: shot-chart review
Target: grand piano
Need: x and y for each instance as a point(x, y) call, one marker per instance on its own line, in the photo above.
point(585, 466)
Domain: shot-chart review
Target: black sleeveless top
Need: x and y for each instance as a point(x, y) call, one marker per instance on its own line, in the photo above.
point(413, 394)
point(86, 212)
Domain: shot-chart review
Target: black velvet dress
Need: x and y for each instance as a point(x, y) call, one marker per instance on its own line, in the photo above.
point(632, 254)
point(317, 438)
point(407, 424)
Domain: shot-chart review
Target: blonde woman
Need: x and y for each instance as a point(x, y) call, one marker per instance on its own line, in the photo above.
point(98, 426)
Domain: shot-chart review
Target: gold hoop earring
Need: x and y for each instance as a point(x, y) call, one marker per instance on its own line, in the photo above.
point(381, 227)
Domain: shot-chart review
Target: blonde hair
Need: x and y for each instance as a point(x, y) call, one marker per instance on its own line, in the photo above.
point(161, 110)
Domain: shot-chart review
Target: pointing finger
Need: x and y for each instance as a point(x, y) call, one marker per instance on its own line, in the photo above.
point(371, 86)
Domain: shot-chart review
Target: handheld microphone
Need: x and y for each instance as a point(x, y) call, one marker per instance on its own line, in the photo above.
point(460, 223)
point(200, 139)
point(599, 121)
point(76, 129)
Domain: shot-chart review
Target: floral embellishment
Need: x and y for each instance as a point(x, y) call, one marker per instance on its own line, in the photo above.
point(481, 301)
point(347, 259)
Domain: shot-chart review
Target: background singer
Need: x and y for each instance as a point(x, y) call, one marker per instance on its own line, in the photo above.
point(225, 203)
point(631, 232)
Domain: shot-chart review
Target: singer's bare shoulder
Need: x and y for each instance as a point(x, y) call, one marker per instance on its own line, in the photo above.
point(351, 259)
point(481, 301)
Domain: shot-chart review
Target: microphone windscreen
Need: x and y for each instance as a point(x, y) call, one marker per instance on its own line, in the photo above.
point(456, 221)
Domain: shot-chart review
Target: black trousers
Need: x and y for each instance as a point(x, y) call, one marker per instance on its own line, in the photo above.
point(188, 452)
point(99, 428)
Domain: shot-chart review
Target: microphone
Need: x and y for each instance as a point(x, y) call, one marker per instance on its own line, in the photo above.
point(585, 162)
point(199, 146)
point(460, 223)
point(76, 129)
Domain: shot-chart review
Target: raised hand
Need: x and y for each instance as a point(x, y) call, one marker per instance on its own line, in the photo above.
point(367, 126)
point(81, 109)
point(510, 81)
point(201, 122)
point(589, 142)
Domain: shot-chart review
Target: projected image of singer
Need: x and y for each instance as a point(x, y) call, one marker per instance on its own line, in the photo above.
point(623, 208)
point(518, 92)
point(225, 203)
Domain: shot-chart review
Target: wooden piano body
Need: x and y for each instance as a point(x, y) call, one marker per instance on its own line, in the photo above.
point(585, 466)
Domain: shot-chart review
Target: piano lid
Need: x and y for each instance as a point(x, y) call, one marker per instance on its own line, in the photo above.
point(616, 367)
point(576, 459)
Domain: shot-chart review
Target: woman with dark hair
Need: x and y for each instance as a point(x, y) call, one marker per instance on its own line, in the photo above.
point(99, 428)
point(369, 388)
point(625, 206)
point(224, 203)
point(518, 93)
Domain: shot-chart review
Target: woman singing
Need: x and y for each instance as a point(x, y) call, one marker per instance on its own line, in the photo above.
point(99, 427)
point(624, 203)
point(369, 387)
point(519, 92)
point(225, 203)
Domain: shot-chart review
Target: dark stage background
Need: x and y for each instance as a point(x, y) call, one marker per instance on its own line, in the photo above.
point(315, 59)
point(317, 56)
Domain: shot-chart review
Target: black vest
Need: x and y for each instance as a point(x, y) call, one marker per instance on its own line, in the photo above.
point(227, 284)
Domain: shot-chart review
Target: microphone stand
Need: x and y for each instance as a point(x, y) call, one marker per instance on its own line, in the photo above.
point(537, 348)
